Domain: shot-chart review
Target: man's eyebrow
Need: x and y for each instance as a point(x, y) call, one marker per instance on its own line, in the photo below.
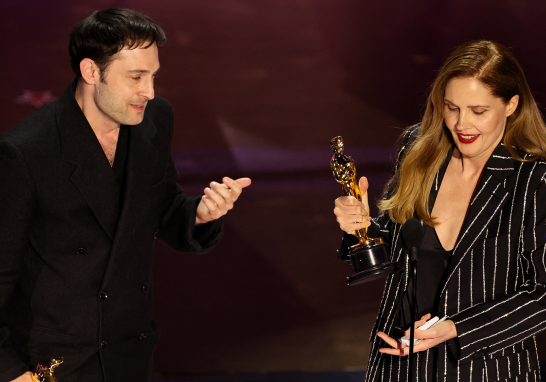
point(140, 71)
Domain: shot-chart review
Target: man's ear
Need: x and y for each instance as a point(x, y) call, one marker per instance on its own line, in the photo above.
point(90, 71)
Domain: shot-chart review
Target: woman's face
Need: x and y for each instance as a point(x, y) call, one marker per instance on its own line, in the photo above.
point(475, 117)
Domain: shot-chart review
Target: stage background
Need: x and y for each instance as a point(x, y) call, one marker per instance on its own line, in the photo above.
point(259, 88)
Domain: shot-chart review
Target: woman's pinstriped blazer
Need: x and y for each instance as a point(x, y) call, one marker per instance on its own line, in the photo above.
point(495, 289)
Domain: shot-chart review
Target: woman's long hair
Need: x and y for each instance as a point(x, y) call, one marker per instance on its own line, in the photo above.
point(493, 65)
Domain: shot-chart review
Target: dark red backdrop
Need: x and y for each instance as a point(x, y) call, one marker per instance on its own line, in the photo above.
point(259, 88)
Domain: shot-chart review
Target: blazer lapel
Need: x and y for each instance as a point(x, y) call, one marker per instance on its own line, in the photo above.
point(491, 195)
point(141, 162)
point(438, 181)
point(93, 175)
point(139, 172)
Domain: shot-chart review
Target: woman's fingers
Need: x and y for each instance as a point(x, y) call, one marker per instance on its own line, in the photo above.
point(350, 227)
point(421, 322)
point(402, 350)
point(397, 347)
point(363, 185)
point(351, 205)
point(351, 214)
point(429, 338)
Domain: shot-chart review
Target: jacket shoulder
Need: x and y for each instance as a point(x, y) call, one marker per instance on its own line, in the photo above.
point(406, 141)
point(410, 134)
point(37, 128)
point(538, 168)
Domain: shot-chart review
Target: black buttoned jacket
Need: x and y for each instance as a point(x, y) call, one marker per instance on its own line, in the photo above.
point(495, 284)
point(75, 260)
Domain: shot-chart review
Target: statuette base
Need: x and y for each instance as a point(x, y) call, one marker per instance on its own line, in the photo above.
point(370, 261)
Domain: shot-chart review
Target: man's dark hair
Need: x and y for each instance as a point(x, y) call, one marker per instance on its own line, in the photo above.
point(102, 34)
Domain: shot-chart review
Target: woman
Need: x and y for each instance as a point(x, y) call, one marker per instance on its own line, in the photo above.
point(474, 173)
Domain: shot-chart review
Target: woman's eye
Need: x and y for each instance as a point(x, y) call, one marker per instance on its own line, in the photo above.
point(136, 78)
point(479, 112)
point(452, 108)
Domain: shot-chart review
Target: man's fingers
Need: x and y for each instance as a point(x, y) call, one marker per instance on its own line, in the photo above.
point(235, 186)
point(213, 210)
point(220, 201)
point(27, 377)
point(243, 182)
point(225, 195)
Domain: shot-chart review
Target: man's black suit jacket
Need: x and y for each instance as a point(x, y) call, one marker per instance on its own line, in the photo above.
point(75, 262)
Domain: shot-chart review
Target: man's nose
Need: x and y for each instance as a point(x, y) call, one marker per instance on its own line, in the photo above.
point(148, 90)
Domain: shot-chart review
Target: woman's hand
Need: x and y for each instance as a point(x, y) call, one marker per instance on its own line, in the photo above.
point(430, 338)
point(351, 214)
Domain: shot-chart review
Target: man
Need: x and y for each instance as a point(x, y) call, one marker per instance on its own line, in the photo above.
point(87, 183)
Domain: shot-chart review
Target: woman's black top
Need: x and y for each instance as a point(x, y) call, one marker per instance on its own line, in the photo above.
point(432, 263)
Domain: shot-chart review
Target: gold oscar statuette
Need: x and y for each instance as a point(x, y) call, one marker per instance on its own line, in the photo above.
point(369, 257)
point(44, 371)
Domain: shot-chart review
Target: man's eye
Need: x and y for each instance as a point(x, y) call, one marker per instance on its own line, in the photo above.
point(136, 78)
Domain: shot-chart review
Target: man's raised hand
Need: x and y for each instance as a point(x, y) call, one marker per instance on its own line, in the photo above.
point(219, 199)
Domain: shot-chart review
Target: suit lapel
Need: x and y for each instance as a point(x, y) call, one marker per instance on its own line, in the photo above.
point(438, 181)
point(141, 161)
point(491, 196)
point(93, 176)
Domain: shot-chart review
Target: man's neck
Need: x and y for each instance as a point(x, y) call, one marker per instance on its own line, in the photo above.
point(102, 126)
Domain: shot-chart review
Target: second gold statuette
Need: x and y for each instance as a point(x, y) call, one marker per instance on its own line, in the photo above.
point(44, 371)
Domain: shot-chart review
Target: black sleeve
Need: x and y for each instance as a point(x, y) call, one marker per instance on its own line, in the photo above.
point(177, 227)
point(17, 201)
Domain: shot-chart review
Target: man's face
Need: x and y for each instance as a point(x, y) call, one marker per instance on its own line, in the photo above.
point(127, 86)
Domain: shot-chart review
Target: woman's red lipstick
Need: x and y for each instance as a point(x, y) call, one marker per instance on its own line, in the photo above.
point(466, 138)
